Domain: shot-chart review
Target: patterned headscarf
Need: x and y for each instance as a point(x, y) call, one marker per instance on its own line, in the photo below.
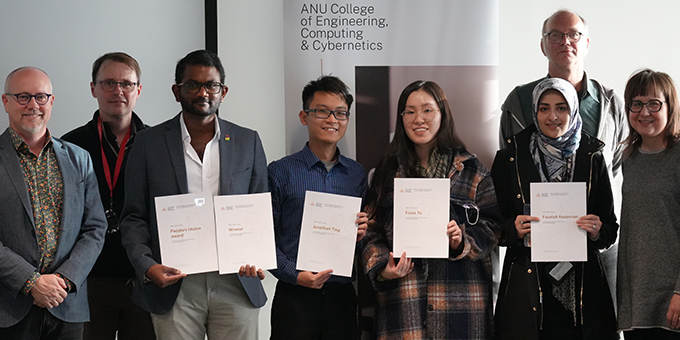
point(554, 157)
point(569, 142)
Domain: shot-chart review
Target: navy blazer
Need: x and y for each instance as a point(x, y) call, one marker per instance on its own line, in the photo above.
point(83, 225)
point(156, 168)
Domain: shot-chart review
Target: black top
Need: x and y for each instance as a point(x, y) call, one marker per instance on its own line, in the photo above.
point(113, 260)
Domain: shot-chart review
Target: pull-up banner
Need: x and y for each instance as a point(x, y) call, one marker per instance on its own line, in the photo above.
point(378, 47)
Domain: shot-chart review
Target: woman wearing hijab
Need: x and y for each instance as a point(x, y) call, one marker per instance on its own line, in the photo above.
point(444, 298)
point(532, 304)
point(648, 284)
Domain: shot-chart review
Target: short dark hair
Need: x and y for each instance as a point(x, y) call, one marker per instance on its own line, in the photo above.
point(119, 57)
point(328, 84)
point(647, 82)
point(201, 58)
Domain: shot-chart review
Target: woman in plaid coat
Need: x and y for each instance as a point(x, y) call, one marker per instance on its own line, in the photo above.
point(433, 298)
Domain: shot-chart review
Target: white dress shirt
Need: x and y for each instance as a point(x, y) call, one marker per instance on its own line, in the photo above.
point(202, 176)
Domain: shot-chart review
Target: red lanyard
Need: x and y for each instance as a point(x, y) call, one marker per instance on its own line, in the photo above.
point(119, 161)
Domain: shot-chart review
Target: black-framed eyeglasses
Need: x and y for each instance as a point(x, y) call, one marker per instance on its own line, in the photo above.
point(25, 98)
point(110, 85)
point(193, 87)
point(653, 105)
point(555, 37)
point(325, 113)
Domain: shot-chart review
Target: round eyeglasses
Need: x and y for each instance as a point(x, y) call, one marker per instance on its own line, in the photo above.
point(653, 105)
point(556, 37)
point(192, 87)
point(25, 98)
point(427, 114)
point(325, 113)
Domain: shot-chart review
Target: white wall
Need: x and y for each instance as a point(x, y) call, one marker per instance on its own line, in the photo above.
point(64, 38)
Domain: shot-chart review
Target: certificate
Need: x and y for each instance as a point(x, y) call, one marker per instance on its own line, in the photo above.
point(186, 232)
point(421, 213)
point(556, 237)
point(245, 231)
point(328, 234)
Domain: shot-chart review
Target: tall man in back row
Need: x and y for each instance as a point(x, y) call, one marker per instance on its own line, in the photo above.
point(108, 137)
point(193, 152)
point(565, 43)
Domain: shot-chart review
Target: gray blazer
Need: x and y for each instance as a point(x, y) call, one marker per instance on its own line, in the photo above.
point(83, 226)
point(156, 168)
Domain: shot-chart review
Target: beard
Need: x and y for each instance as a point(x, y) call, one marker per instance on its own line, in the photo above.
point(189, 107)
point(33, 127)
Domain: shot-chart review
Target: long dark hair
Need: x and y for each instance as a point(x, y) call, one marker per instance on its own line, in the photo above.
point(401, 151)
point(647, 83)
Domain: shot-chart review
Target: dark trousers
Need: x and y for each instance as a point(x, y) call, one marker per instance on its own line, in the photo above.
point(40, 324)
point(651, 333)
point(314, 314)
point(112, 310)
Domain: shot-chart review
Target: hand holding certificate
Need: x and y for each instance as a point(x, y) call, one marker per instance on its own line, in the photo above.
point(421, 215)
point(328, 233)
point(557, 237)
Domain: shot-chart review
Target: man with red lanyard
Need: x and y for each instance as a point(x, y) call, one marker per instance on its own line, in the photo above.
point(108, 138)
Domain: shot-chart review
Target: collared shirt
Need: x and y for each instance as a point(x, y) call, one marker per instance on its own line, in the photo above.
point(289, 179)
point(46, 191)
point(589, 106)
point(202, 175)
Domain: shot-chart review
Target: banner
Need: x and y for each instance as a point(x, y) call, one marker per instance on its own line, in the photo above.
point(378, 47)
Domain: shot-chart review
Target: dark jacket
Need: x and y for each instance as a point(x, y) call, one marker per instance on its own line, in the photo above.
point(113, 261)
point(519, 310)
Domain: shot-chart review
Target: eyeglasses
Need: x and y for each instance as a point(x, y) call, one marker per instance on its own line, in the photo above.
point(427, 114)
point(110, 85)
point(192, 87)
point(556, 37)
point(25, 98)
point(652, 106)
point(325, 113)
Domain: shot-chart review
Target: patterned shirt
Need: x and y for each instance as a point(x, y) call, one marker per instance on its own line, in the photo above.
point(289, 179)
point(46, 192)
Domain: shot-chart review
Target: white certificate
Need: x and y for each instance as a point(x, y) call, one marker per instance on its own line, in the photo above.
point(245, 231)
point(556, 237)
point(328, 233)
point(186, 232)
point(421, 213)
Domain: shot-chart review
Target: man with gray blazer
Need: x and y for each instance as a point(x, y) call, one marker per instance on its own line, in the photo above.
point(193, 152)
point(52, 223)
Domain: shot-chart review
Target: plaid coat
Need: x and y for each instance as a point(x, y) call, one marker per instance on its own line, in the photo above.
point(441, 298)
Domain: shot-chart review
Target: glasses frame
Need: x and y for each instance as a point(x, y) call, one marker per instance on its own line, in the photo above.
point(201, 85)
point(31, 96)
point(646, 105)
point(330, 112)
point(579, 35)
point(426, 116)
point(117, 84)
